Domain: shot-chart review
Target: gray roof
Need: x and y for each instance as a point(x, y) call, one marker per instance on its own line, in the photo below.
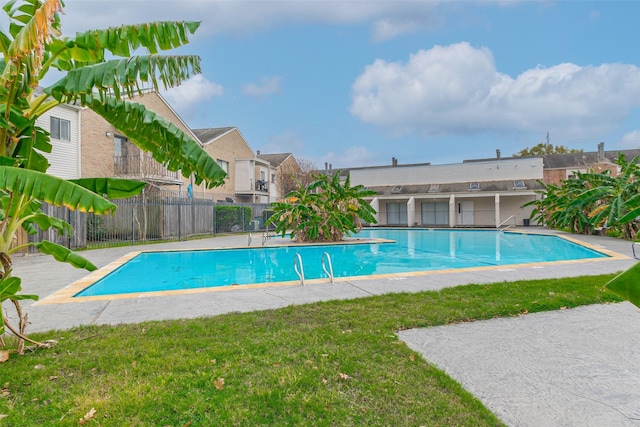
point(207, 135)
point(458, 187)
point(275, 159)
point(572, 160)
point(562, 161)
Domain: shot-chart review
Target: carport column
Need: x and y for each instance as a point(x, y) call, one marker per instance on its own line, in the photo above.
point(375, 204)
point(411, 211)
point(497, 203)
point(452, 211)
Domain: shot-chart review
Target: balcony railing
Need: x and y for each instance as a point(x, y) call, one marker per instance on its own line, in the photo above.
point(262, 185)
point(142, 167)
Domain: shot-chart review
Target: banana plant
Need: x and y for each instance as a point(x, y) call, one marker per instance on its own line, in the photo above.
point(324, 211)
point(98, 73)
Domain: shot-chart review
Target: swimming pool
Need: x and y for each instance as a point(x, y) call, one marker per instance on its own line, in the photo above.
point(411, 250)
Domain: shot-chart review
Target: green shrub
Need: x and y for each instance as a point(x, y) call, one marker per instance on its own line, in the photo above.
point(232, 218)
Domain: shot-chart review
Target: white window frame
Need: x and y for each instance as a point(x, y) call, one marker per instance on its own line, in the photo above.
point(60, 128)
point(224, 165)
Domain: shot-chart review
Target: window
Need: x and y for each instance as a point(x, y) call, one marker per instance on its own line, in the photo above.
point(263, 176)
point(120, 148)
point(396, 214)
point(223, 165)
point(435, 213)
point(60, 129)
point(434, 188)
point(474, 186)
point(519, 184)
point(273, 178)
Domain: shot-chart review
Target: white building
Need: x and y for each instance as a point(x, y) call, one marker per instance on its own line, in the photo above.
point(473, 194)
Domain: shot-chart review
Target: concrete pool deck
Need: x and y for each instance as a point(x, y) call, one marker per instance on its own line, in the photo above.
point(560, 362)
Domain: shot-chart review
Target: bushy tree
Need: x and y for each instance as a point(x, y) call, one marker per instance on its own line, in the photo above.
point(32, 47)
point(323, 211)
point(543, 149)
point(594, 200)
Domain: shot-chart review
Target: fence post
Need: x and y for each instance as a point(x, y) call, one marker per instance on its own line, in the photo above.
point(133, 223)
point(215, 226)
point(179, 221)
point(243, 221)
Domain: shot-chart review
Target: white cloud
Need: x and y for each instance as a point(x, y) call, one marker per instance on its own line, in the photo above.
point(388, 18)
point(187, 98)
point(631, 139)
point(457, 89)
point(354, 156)
point(286, 142)
point(266, 86)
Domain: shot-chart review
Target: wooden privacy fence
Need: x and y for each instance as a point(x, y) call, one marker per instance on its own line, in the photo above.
point(145, 219)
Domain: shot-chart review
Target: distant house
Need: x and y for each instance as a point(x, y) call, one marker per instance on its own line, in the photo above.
point(248, 176)
point(284, 166)
point(478, 194)
point(560, 167)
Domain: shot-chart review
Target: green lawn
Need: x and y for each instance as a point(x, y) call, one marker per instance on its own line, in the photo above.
point(325, 364)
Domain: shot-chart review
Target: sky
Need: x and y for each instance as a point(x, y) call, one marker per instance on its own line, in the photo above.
point(355, 83)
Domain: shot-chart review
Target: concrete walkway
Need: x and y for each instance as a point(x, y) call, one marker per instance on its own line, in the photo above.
point(577, 367)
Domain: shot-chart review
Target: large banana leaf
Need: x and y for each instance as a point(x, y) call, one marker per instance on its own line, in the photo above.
point(112, 188)
point(166, 142)
point(124, 75)
point(627, 284)
point(53, 190)
point(89, 47)
point(60, 253)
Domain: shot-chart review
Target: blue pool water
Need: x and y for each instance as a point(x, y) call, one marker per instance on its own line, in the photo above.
point(413, 250)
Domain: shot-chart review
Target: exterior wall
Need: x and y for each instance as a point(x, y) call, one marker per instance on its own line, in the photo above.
point(228, 147)
point(65, 155)
point(97, 147)
point(484, 208)
point(244, 175)
point(514, 205)
point(556, 176)
point(498, 170)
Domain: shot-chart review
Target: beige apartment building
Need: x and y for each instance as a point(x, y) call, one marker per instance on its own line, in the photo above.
point(106, 152)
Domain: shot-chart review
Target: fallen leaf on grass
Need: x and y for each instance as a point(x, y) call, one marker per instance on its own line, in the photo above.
point(219, 383)
point(4, 356)
point(411, 357)
point(134, 364)
point(88, 416)
point(343, 376)
point(3, 416)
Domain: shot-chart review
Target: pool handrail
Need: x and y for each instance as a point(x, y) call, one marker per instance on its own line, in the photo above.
point(509, 225)
point(300, 272)
point(329, 272)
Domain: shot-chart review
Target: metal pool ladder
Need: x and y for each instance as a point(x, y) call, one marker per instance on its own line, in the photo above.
point(298, 267)
point(329, 272)
point(299, 270)
point(508, 225)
